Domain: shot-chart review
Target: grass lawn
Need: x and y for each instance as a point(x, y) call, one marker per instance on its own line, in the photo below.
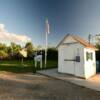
point(15, 66)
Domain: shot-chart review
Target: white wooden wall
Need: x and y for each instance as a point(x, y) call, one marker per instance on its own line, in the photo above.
point(90, 65)
point(70, 52)
point(83, 68)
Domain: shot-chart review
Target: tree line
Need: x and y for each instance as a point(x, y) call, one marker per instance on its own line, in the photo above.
point(12, 51)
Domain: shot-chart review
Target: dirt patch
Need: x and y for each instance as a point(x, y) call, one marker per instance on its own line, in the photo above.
point(38, 87)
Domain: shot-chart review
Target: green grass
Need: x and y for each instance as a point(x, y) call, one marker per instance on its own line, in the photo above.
point(16, 66)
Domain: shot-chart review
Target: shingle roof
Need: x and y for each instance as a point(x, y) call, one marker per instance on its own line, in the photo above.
point(78, 39)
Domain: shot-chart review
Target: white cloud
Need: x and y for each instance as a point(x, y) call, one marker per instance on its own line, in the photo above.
point(12, 37)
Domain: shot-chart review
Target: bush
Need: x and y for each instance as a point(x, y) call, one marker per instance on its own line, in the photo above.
point(52, 54)
point(98, 55)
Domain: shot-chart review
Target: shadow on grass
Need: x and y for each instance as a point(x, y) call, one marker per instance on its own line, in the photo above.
point(26, 67)
point(16, 69)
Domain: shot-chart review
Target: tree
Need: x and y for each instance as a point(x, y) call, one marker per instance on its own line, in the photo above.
point(3, 54)
point(15, 48)
point(3, 51)
point(30, 49)
point(98, 43)
point(52, 54)
point(3, 47)
point(98, 52)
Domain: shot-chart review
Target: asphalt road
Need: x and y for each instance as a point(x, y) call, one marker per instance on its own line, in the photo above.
point(38, 87)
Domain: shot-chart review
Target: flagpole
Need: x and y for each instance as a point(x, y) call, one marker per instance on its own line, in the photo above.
point(46, 45)
point(46, 41)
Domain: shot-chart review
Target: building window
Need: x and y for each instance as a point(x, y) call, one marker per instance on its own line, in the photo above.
point(89, 56)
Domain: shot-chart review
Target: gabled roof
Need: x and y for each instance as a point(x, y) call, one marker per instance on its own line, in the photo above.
point(78, 39)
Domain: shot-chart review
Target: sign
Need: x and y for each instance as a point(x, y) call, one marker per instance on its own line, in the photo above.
point(38, 58)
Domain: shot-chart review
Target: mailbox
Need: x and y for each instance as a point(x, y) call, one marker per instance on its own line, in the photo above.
point(77, 58)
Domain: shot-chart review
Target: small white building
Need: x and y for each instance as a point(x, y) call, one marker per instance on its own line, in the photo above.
point(76, 57)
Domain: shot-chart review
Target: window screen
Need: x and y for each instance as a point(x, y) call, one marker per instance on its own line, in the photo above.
point(89, 56)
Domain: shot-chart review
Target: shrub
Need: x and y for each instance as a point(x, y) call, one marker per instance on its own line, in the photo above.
point(52, 54)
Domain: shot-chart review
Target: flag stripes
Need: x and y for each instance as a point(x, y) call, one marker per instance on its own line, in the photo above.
point(47, 27)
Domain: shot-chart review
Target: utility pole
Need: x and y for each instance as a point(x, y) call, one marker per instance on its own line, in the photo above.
point(89, 38)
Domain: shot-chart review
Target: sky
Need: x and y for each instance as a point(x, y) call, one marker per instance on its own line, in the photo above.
point(24, 20)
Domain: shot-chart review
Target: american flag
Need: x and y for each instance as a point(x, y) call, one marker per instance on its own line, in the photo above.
point(47, 27)
point(46, 43)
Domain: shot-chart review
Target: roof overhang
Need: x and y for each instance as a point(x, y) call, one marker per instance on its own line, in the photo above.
point(78, 39)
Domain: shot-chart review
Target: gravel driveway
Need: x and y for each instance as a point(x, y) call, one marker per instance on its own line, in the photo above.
point(38, 87)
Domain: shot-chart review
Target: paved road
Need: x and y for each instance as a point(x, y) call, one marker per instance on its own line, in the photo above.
point(38, 87)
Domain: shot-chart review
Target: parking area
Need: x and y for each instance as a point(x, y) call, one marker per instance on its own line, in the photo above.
point(38, 87)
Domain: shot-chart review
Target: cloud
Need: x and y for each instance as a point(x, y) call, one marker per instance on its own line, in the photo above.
point(12, 37)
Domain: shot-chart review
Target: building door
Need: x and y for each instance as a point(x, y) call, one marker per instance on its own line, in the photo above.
point(69, 59)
